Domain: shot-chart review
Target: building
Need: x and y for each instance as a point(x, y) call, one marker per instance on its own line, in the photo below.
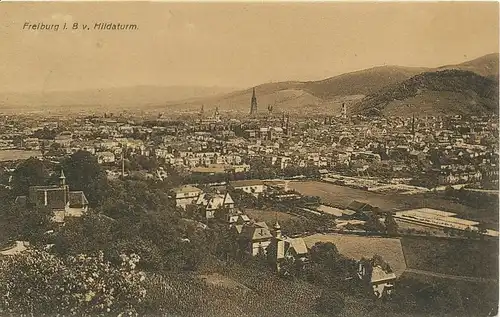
point(361, 210)
point(283, 251)
point(432, 218)
point(254, 237)
point(253, 104)
point(210, 203)
point(63, 202)
point(253, 187)
point(344, 111)
point(185, 195)
point(64, 139)
point(378, 275)
point(105, 157)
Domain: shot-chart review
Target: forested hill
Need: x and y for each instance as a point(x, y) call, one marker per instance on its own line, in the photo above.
point(434, 93)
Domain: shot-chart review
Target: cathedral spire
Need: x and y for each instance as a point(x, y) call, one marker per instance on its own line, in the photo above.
point(253, 103)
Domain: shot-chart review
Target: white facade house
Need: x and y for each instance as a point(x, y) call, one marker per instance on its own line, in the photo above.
point(185, 195)
point(253, 187)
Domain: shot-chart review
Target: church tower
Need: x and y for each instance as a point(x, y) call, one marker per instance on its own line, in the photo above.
point(64, 187)
point(277, 230)
point(253, 104)
point(62, 179)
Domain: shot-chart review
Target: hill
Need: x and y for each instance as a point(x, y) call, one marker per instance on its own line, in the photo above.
point(320, 97)
point(362, 82)
point(326, 96)
point(486, 65)
point(434, 93)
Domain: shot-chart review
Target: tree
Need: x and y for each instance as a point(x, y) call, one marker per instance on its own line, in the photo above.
point(330, 303)
point(84, 173)
point(373, 224)
point(327, 265)
point(28, 224)
point(31, 172)
point(391, 226)
point(87, 234)
point(40, 284)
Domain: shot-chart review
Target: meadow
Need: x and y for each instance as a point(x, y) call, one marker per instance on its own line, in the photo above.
point(10, 155)
point(356, 247)
point(462, 257)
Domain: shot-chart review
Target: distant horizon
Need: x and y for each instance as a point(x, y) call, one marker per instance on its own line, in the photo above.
point(235, 88)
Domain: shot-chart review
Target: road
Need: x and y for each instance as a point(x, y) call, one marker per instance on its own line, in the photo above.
point(452, 277)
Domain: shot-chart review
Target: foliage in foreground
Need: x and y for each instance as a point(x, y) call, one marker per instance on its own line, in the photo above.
point(41, 284)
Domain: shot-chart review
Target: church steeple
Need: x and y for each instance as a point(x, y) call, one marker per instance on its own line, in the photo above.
point(277, 228)
point(62, 178)
point(253, 104)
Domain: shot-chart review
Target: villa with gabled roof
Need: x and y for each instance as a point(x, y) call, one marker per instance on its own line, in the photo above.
point(63, 202)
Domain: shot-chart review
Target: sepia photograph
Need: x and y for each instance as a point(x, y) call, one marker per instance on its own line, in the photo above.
point(223, 159)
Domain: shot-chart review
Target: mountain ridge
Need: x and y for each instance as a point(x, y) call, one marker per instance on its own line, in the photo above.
point(321, 96)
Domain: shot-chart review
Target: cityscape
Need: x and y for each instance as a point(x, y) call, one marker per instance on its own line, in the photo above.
point(368, 192)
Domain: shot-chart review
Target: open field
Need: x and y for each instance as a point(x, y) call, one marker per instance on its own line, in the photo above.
point(11, 155)
point(269, 216)
point(457, 298)
point(452, 256)
point(356, 247)
point(341, 196)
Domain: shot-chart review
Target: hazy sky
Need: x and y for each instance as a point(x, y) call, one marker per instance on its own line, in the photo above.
point(236, 45)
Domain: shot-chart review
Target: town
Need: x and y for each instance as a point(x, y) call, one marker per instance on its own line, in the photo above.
point(249, 159)
point(284, 187)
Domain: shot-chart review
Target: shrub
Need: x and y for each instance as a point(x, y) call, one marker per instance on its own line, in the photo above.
point(41, 284)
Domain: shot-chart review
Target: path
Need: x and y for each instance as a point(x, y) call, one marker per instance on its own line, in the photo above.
point(452, 277)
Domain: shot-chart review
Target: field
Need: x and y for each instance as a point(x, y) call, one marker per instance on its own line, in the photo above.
point(452, 256)
point(341, 196)
point(446, 297)
point(11, 155)
point(356, 247)
point(269, 216)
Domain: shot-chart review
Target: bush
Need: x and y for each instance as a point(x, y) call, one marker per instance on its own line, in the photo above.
point(330, 303)
point(41, 284)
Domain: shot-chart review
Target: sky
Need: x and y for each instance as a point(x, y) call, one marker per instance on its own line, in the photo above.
point(232, 44)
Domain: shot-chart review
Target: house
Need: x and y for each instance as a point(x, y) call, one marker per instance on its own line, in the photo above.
point(378, 275)
point(105, 157)
point(284, 250)
point(255, 237)
point(212, 170)
point(237, 218)
point(361, 210)
point(254, 187)
point(63, 202)
point(185, 195)
point(213, 202)
point(64, 139)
